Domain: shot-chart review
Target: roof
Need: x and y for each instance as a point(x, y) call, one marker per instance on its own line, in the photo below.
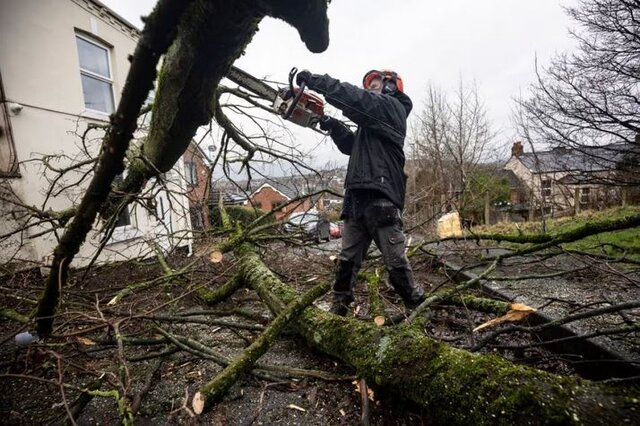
point(585, 159)
point(282, 189)
point(288, 187)
point(116, 16)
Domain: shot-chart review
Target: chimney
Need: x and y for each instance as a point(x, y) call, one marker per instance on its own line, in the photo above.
point(517, 149)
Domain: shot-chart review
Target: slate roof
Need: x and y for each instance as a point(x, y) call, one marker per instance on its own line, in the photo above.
point(586, 159)
point(292, 186)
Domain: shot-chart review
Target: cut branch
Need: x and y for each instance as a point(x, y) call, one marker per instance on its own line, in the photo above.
point(212, 391)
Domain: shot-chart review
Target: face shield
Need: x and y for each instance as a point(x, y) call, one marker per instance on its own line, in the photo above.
point(380, 82)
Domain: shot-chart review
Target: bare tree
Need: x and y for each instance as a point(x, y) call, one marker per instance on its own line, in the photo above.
point(450, 137)
point(591, 98)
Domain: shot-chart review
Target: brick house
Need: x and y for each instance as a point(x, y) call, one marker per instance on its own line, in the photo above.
point(563, 180)
point(198, 178)
point(272, 195)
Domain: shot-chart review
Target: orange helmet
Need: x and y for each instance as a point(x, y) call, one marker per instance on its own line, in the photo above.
point(386, 76)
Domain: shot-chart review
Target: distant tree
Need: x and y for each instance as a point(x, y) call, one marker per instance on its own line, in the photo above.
point(592, 96)
point(451, 135)
point(486, 185)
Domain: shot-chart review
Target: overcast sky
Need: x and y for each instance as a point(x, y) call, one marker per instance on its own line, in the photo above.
point(493, 42)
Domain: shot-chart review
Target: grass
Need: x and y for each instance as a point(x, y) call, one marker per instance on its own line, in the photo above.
point(617, 243)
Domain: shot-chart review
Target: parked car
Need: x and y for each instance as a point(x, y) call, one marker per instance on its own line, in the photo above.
point(309, 225)
point(335, 230)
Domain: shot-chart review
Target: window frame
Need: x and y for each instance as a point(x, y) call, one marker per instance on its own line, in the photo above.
point(546, 189)
point(94, 75)
point(125, 212)
point(585, 195)
point(191, 172)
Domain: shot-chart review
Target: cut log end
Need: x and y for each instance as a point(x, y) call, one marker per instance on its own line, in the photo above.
point(198, 403)
point(215, 257)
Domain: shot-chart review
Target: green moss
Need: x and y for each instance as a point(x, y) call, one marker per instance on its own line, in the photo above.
point(452, 385)
point(239, 215)
point(482, 304)
point(373, 285)
point(221, 293)
point(14, 315)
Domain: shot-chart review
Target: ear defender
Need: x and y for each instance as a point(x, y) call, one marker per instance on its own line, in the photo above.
point(392, 82)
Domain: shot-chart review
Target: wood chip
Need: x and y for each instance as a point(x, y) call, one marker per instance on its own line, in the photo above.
point(198, 403)
point(84, 341)
point(517, 312)
point(295, 407)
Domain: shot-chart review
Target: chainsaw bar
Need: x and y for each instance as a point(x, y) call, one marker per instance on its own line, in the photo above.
point(252, 84)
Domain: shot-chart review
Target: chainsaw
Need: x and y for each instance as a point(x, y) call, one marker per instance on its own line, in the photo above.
point(293, 103)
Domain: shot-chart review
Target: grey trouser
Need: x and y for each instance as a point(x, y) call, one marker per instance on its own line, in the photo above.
point(382, 223)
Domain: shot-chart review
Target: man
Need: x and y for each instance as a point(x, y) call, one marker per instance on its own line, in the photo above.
point(375, 183)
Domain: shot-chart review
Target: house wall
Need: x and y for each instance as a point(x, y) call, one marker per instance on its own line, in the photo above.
point(564, 199)
point(198, 194)
point(40, 71)
point(267, 198)
point(522, 194)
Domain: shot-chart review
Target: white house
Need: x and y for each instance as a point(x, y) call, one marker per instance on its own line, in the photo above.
point(63, 64)
point(564, 180)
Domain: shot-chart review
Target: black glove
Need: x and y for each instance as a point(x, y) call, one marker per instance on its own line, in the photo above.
point(328, 123)
point(303, 76)
point(285, 93)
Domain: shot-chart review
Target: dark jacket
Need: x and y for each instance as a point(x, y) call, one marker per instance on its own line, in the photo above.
point(376, 148)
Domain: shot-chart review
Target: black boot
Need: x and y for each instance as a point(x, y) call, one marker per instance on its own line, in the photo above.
point(402, 281)
point(340, 304)
point(342, 295)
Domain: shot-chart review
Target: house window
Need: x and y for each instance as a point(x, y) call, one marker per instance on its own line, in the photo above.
point(196, 217)
point(8, 155)
point(584, 195)
point(192, 173)
point(124, 218)
point(160, 209)
point(546, 189)
point(95, 73)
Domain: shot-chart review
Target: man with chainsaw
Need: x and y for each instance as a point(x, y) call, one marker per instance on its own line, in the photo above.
point(375, 182)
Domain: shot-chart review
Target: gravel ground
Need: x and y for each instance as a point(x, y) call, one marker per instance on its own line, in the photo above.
point(586, 283)
point(31, 375)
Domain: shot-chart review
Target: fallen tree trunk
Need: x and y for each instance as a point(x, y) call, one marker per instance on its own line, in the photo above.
point(452, 385)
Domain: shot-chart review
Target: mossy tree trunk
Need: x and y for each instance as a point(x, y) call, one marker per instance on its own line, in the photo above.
point(211, 37)
point(454, 386)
